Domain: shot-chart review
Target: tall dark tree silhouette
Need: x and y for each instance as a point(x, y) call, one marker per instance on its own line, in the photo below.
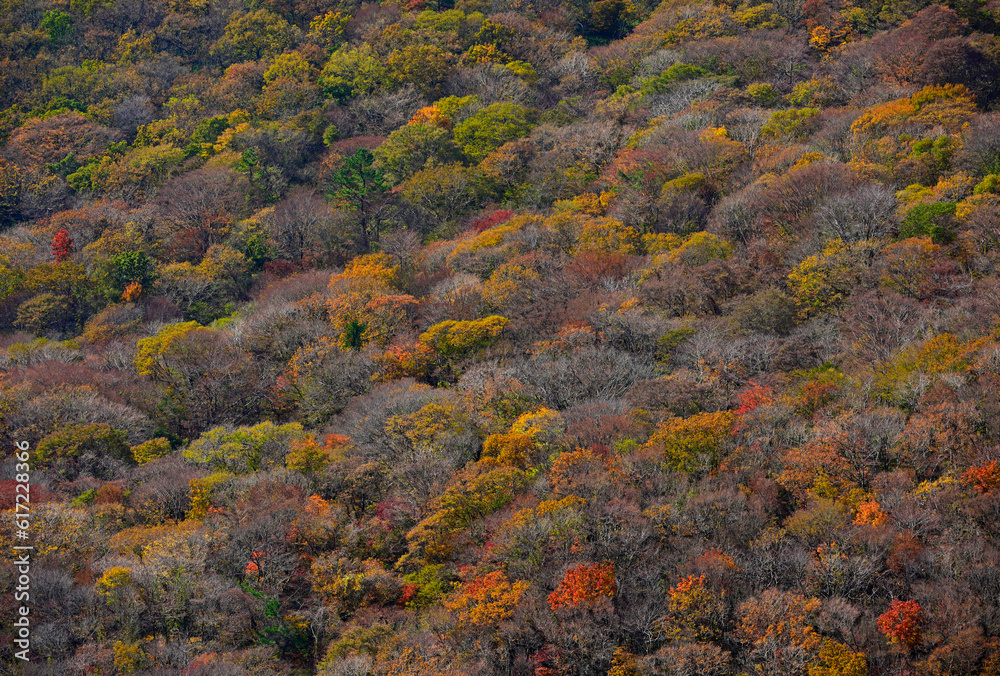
point(359, 186)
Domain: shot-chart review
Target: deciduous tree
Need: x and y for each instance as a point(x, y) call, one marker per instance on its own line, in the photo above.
point(903, 623)
point(584, 584)
point(491, 127)
point(250, 36)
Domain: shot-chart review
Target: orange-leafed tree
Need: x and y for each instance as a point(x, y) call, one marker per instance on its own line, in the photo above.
point(775, 628)
point(697, 612)
point(306, 455)
point(870, 514)
point(365, 306)
point(132, 292)
point(514, 449)
point(577, 472)
point(984, 478)
point(413, 360)
point(485, 601)
point(432, 116)
point(585, 584)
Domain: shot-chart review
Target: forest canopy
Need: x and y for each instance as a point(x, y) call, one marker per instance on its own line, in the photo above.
point(496, 337)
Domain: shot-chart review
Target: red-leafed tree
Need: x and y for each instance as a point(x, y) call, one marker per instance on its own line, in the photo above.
point(485, 222)
point(752, 397)
point(62, 246)
point(903, 623)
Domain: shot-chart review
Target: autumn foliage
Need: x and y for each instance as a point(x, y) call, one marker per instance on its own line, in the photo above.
point(563, 338)
point(903, 623)
point(62, 246)
point(985, 478)
point(487, 600)
point(583, 585)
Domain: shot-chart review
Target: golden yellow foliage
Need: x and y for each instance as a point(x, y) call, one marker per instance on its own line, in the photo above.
point(129, 658)
point(112, 579)
point(624, 663)
point(506, 284)
point(513, 449)
point(201, 493)
point(375, 269)
point(151, 450)
point(608, 235)
point(544, 425)
point(692, 444)
point(430, 427)
point(700, 248)
point(660, 243)
point(836, 659)
point(878, 131)
point(151, 350)
point(822, 280)
point(455, 339)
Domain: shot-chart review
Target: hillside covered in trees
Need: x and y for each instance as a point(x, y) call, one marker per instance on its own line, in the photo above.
point(502, 337)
